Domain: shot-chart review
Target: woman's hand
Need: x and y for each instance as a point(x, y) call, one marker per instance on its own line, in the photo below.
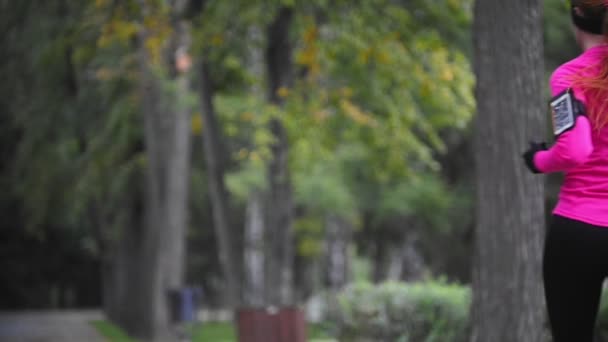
point(531, 152)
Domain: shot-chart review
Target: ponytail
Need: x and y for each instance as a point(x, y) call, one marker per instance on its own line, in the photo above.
point(594, 85)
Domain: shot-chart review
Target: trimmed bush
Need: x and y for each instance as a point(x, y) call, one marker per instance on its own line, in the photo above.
point(404, 312)
point(602, 319)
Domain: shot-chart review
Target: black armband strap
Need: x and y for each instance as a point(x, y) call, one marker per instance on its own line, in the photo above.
point(565, 108)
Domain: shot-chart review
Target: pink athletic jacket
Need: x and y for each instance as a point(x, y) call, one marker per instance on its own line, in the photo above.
point(582, 152)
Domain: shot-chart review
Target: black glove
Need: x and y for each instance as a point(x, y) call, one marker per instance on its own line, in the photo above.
point(529, 155)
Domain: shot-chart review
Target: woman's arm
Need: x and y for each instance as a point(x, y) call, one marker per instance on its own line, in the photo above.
point(572, 147)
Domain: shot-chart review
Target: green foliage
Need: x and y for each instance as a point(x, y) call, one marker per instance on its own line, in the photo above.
point(424, 197)
point(323, 188)
point(361, 269)
point(386, 85)
point(360, 107)
point(74, 129)
point(377, 83)
point(309, 234)
point(429, 311)
point(602, 319)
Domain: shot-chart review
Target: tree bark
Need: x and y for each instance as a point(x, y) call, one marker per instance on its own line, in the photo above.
point(280, 256)
point(212, 144)
point(508, 302)
point(337, 240)
point(148, 302)
point(119, 272)
point(412, 261)
point(254, 246)
point(167, 144)
point(254, 255)
point(178, 171)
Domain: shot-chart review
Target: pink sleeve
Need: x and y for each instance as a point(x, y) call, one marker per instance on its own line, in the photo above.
point(572, 147)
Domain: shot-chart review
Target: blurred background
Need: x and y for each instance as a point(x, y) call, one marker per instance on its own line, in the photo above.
point(241, 155)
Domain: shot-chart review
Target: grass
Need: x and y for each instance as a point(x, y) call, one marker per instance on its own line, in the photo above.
point(225, 332)
point(206, 332)
point(214, 331)
point(111, 332)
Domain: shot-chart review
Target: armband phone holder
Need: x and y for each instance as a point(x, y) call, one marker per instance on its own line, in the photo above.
point(565, 108)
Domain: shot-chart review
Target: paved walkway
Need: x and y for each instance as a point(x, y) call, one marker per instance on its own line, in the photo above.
point(49, 326)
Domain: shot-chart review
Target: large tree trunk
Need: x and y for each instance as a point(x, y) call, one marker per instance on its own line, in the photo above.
point(167, 141)
point(508, 302)
point(280, 255)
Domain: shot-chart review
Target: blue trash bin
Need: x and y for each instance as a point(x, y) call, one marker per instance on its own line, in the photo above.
point(184, 303)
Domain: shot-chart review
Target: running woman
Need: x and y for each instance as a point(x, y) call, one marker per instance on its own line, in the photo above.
point(575, 260)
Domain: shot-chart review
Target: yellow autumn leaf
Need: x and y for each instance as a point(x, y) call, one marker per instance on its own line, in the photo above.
point(364, 55)
point(247, 116)
point(197, 124)
point(125, 30)
point(217, 40)
point(154, 46)
point(354, 112)
point(283, 92)
point(346, 92)
point(383, 58)
point(305, 57)
point(101, 3)
point(242, 154)
point(320, 115)
point(310, 34)
point(313, 71)
point(104, 74)
point(254, 156)
point(447, 74)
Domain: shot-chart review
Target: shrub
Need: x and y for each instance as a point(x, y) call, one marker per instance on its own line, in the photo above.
point(405, 312)
point(602, 319)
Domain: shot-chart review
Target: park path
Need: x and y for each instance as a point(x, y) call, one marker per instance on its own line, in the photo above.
point(49, 326)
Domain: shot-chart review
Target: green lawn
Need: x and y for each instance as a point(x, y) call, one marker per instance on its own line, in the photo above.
point(220, 332)
point(207, 332)
point(111, 332)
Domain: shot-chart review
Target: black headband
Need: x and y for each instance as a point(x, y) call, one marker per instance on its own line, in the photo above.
point(592, 23)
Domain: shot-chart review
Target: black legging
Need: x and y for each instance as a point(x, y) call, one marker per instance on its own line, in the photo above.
point(575, 264)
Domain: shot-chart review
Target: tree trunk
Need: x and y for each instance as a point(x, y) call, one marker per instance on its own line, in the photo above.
point(399, 260)
point(167, 141)
point(119, 271)
point(280, 255)
point(149, 303)
point(146, 303)
point(254, 252)
point(178, 170)
point(337, 241)
point(254, 247)
point(212, 143)
point(508, 302)
point(412, 261)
